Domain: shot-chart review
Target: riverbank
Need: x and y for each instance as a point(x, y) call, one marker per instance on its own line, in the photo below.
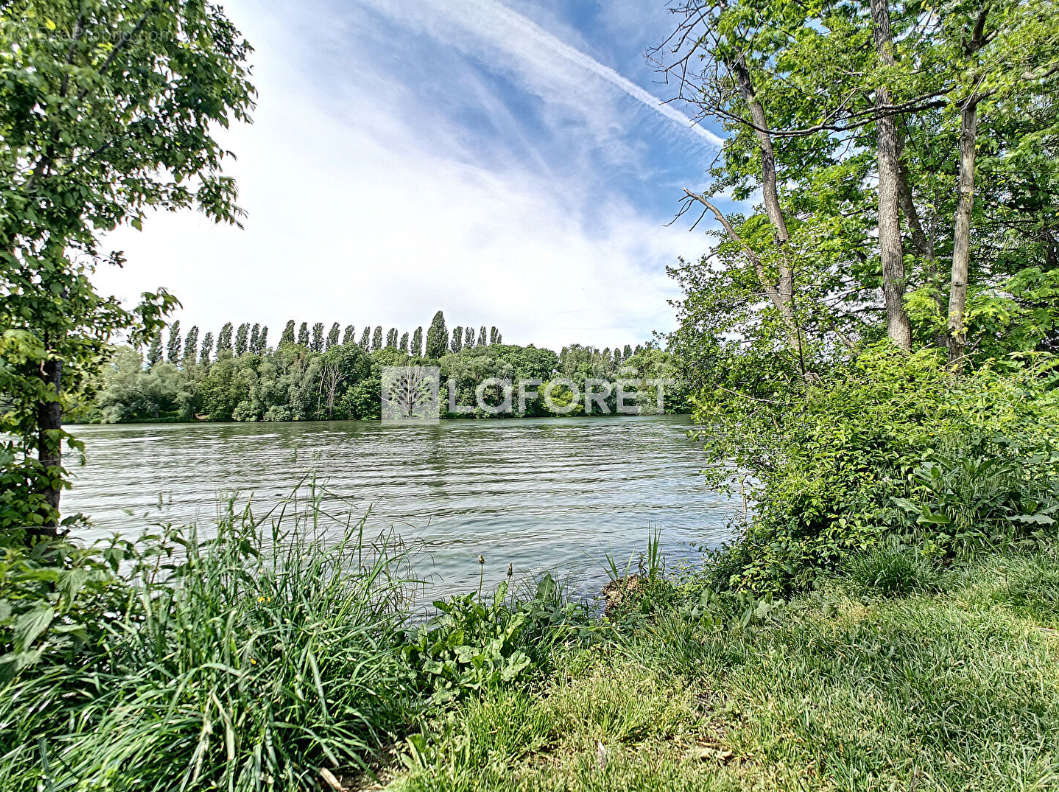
point(951, 686)
point(283, 655)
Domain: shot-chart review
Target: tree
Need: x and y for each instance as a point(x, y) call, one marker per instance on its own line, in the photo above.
point(287, 337)
point(494, 336)
point(481, 336)
point(376, 339)
point(437, 337)
point(349, 335)
point(191, 345)
point(457, 338)
point(628, 352)
point(224, 339)
point(338, 366)
point(391, 338)
point(303, 334)
point(417, 342)
point(255, 338)
point(468, 338)
point(262, 340)
point(332, 335)
point(898, 327)
point(207, 348)
point(365, 339)
point(154, 351)
point(173, 349)
point(242, 339)
point(403, 346)
point(317, 344)
point(107, 112)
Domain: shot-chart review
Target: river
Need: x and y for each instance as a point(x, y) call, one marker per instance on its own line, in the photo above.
point(550, 494)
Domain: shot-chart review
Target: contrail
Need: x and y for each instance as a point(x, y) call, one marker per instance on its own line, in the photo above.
point(524, 39)
point(538, 35)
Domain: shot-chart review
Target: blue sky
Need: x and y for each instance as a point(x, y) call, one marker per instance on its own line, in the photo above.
point(510, 163)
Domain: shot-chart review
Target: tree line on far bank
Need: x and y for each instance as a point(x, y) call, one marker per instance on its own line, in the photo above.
point(180, 349)
point(311, 375)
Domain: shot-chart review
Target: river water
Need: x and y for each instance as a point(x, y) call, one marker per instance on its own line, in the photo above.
point(550, 494)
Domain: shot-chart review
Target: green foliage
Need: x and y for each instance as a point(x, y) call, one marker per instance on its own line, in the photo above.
point(287, 337)
point(437, 337)
point(224, 339)
point(891, 569)
point(174, 346)
point(107, 111)
point(207, 349)
point(472, 646)
point(888, 443)
point(247, 661)
point(724, 691)
point(54, 602)
point(191, 346)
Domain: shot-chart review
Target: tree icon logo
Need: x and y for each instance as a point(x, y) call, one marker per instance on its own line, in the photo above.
point(410, 394)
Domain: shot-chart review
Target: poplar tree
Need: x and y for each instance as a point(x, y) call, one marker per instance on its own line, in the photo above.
point(403, 346)
point(173, 350)
point(348, 336)
point(437, 337)
point(191, 345)
point(376, 339)
point(481, 336)
point(288, 333)
point(494, 336)
point(332, 335)
point(317, 344)
point(241, 339)
point(154, 351)
point(207, 348)
point(224, 339)
point(628, 352)
point(262, 340)
point(391, 338)
point(417, 342)
point(303, 334)
point(365, 339)
point(457, 338)
point(255, 333)
point(468, 338)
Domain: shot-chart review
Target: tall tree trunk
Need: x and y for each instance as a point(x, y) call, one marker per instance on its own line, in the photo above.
point(961, 242)
point(890, 249)
point(961, 247)
point(784, 290)
point(49, 444)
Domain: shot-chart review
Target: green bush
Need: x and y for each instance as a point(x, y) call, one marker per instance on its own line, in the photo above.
point(889, 443)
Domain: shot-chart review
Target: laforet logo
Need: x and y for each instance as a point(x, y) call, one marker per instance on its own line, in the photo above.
point(410, 394)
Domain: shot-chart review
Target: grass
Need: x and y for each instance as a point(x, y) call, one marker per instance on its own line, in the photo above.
point(260, 659)
point(847, 688)
point(244, 662)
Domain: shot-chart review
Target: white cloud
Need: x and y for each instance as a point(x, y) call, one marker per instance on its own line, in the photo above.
point(366, 207)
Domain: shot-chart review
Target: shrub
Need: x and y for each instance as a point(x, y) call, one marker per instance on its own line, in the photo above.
point(878, 447)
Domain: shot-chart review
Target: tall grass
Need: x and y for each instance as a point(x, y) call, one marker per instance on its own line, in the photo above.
point(245, 662)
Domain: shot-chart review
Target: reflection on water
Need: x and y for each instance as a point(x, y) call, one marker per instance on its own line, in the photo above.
point(541, 494)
